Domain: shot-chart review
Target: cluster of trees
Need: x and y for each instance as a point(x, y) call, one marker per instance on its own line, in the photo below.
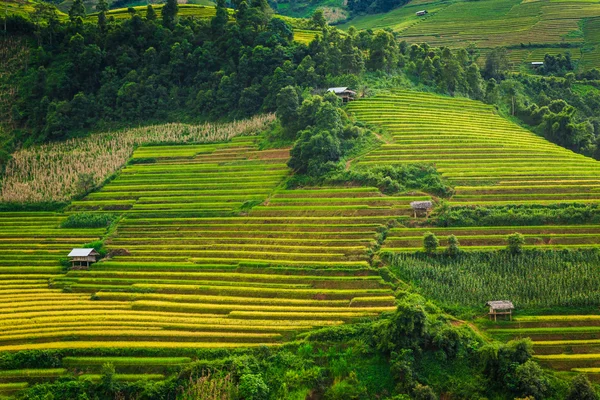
point(548, 105)
point(83, 76)
point(431, 243)
point(559, 64)
point(322, 131)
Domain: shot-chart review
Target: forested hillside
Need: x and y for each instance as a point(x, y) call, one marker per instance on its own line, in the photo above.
point(250, 235)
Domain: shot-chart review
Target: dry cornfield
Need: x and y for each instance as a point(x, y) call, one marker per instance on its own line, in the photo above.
point(53, 172)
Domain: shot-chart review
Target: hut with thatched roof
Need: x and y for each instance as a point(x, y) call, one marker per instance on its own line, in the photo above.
point(421, 208)
point(500, 307)
point(82, 258)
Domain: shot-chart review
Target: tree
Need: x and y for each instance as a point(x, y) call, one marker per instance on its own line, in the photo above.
point(102, 8)
point(315, 152)
point(474, 82)
point(496, 64)
point(406, 329)
point(287, 110)
point(318, 21)
point(383, 52)
point(530, 380)
point(430, 243)
point(581, 389)
point(515, 243)
point(150, 13)
point(453, 246)
point(45, 18)
point(220, 19)
point(77, 10)
point(169, 13)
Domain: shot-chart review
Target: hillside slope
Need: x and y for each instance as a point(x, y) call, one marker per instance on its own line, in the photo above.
point(529, 28)
point(490, 162)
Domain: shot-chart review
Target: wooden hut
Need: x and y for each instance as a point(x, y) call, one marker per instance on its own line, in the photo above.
point(500, 307)
point(343, 93)
point(421, 13)
point(82, 258)
point(421, 208)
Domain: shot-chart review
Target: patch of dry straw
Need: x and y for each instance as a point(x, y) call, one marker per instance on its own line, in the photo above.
point(51, 172)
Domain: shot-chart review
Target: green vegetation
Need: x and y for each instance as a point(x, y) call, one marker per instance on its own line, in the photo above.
point(530, 279)
point(528, 29)
point(87, 220)
point(268, 259)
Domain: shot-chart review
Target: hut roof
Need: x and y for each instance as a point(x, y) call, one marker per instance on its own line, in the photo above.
point(500, 305)
point(83, 253)
point(337, 90)
point(537, 63)
point(421, 205)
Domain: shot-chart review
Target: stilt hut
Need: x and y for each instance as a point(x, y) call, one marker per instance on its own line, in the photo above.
point(500, 307)
point(82, 258)
point(343, 93)
point(421, 208)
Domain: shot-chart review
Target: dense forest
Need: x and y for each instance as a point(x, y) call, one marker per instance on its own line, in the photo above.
point(83, 76)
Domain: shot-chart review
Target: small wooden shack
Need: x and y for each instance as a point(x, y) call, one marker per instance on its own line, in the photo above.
point(82, 258)
point(500, 307)
point(421, 208)
point(421, 13)
point(537, 64)
point(343, 93)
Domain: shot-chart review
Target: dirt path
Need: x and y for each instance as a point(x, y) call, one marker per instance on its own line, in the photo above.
point(378, 136)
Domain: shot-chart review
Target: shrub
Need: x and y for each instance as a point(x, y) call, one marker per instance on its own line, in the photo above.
point(530, 380)
point(398, 178)
point(253, 387)
point(88, 220)
point(347, 389)
point(453, 246)
point(581, 389)
point(430, 243)
point(515, 243)
point(424, 392)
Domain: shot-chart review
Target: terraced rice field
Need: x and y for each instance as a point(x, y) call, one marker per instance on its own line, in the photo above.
point(209, 251)
point(492, 162)
point(590, 53)
point(490, 238)
point(489, 24)
point(561, 342)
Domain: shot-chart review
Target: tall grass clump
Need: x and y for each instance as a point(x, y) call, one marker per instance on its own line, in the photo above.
point(209, 387)
point(63, 170)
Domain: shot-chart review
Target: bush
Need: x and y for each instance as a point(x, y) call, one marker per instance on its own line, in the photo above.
point(424, 392)
point(515, 243)
point(88, 220)
point(530, 380)
point(253, 387)
point(348, 389)
point(453, 246)
point(520, 215)
point(393, 179)
point(581, 389)
point(430, 243)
